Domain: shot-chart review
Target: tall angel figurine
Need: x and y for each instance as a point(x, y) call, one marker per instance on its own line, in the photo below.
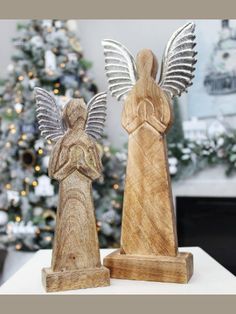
point(149, 249)
point(75, 162)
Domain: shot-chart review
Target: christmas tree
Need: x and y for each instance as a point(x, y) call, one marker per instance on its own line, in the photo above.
point(176, 133)
point(48, 55)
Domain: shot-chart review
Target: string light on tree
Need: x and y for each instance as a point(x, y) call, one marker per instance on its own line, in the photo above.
point(8, 186)
point(18, 246)
point(21, 78)
point(23, 193)
point(37, 168)
point(116, 186)
point(18, 219)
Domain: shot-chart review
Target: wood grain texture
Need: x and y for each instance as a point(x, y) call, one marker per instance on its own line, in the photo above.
point(75, 279)
point(148, 225)
point(149, 249)
point(75, 163)
point(178, 269)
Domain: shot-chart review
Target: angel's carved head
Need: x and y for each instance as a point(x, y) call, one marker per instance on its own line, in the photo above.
point(146, 64)
point(75, 113)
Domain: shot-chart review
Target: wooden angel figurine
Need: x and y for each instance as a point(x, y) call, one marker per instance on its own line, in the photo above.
point(149, 249)
point(75, 163)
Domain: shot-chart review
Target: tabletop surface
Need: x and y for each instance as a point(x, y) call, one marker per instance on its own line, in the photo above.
point(209, 278)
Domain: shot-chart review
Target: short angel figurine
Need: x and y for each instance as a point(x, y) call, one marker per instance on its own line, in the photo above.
point(148, 222)
point(75, 162)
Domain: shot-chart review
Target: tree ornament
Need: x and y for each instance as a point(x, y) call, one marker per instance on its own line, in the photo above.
point(75, 163)
point(13, 196)
point(3, 218)
point(75, 44)
point(20, 228)
point(149, 248)
point(45, 161)
point(18, 107)
point(50, 61)
point(44, 187)
point(28, 158)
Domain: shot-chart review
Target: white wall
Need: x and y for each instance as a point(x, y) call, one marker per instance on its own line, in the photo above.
point(135, 34)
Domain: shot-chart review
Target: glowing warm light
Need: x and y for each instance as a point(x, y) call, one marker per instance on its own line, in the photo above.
point(24, 136)
point(30, 74)
point(9, 111)
point(62, 65)
point(48, 238)
point(37, 168)
point(21, 78)
point(18, 219)
point(56, 91)
point(23, 193)
point(27, 180)
point(57, 84)
point(116, 186)
point(34, 183)
point(18, 246)
point(106, 149)
point(40, 151)
point(8, 186)
point(8, 144)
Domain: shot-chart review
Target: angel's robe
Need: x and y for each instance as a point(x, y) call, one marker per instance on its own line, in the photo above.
point(75, 163)
point(148, 224)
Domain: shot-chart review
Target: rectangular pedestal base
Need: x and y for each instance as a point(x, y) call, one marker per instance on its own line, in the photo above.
point(177, 269)
point(75, 279)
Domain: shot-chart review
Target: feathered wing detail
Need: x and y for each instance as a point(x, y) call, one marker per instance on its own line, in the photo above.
point(178, 61)
point(48, 116)
point(96, 115)
point(120, 68)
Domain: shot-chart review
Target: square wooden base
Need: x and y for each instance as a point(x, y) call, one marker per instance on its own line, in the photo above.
point(75, 279)
point(177, 269)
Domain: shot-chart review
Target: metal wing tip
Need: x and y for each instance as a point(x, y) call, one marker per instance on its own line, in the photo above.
point(191, 25)
point(106, 41)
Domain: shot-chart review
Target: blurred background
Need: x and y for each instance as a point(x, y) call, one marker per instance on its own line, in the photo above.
point(66, 58)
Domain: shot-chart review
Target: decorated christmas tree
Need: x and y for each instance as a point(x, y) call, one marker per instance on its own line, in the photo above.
point(48, 55)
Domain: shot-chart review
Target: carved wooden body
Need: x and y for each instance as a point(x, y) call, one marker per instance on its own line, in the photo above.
point(75, 163)
point(148, 226)
point(148, 222)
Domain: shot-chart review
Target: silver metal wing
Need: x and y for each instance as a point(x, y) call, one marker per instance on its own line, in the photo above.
point(48, 116)
point(96, 115)
point(178, 61)
point(120, 68)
